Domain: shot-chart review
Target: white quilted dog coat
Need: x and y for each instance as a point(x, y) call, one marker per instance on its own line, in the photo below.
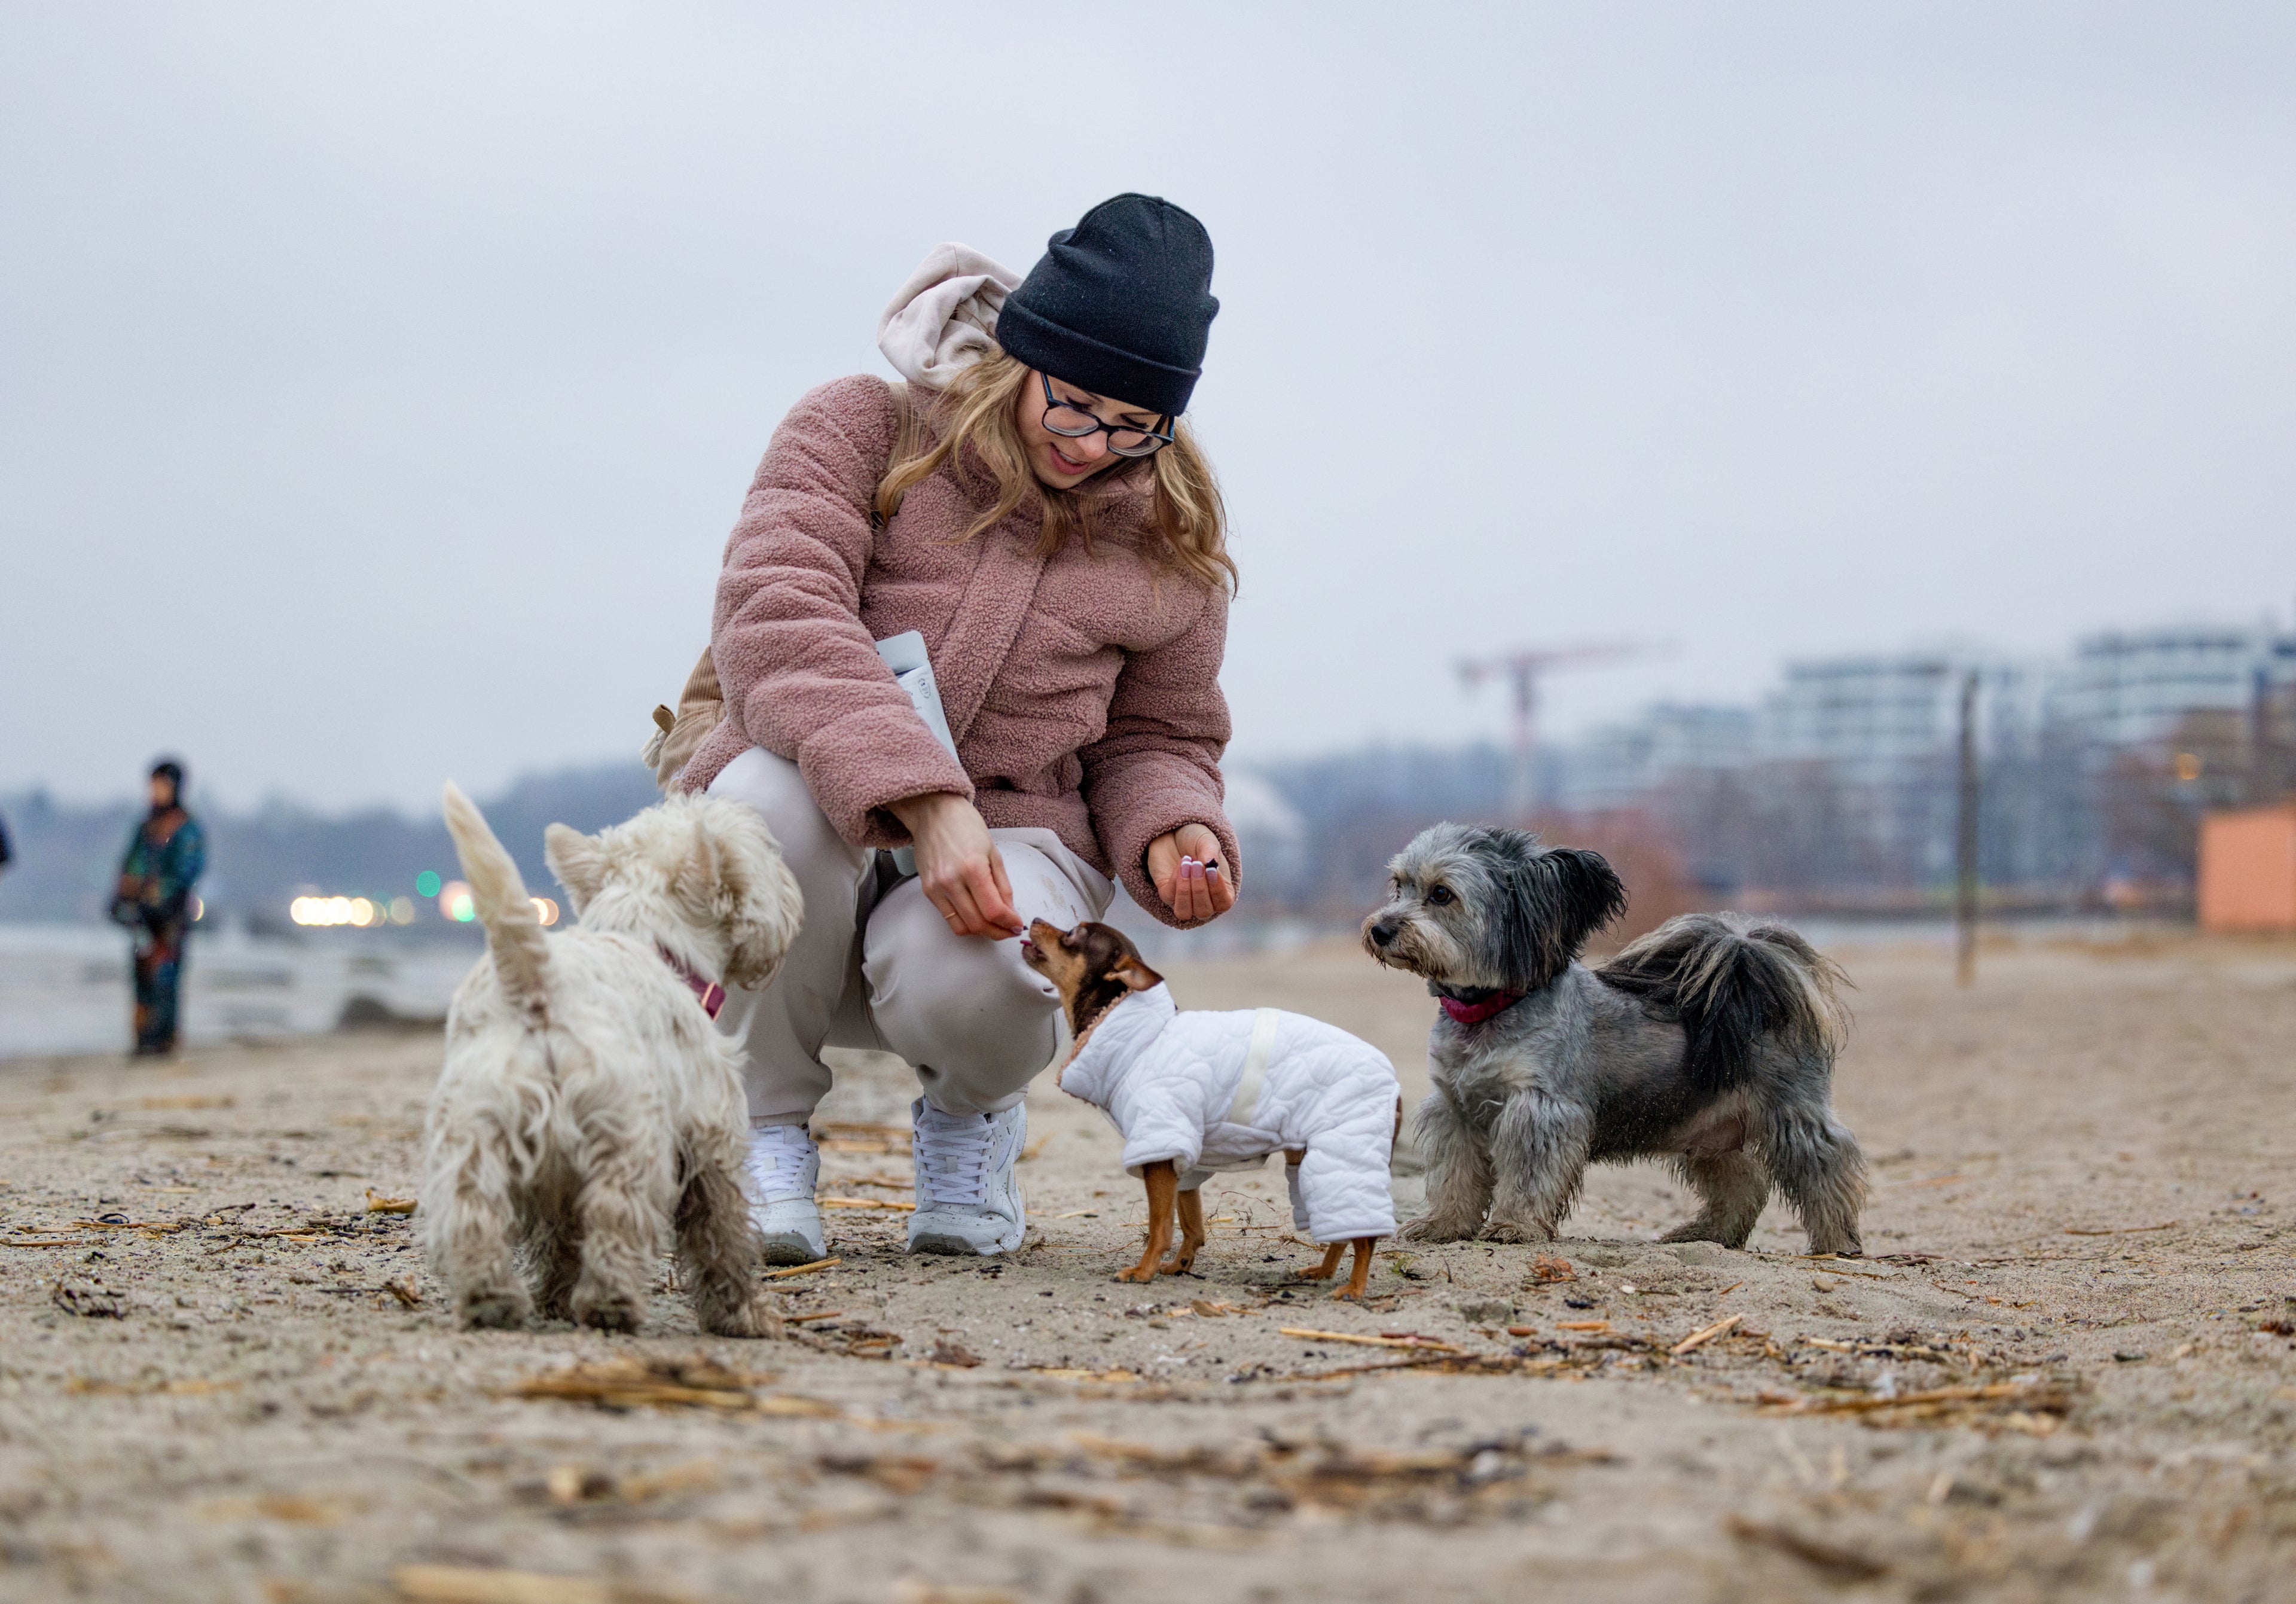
point(1175, 1086)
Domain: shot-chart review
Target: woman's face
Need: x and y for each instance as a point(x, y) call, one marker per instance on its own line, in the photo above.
point(1059, 460)
point(163, 791)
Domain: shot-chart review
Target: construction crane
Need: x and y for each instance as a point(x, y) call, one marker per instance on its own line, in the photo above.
point(1522, 670)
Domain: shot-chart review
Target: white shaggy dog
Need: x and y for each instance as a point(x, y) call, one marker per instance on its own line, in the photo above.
point(589, 1108)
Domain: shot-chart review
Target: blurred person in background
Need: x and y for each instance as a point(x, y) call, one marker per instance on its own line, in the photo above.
point(7, 854)
point(154, 901)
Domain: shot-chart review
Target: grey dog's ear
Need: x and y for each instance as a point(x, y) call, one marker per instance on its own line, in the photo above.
point(1553, 901)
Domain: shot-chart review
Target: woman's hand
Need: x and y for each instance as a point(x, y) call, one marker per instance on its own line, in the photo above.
point(958, 866)
point(1185, 867)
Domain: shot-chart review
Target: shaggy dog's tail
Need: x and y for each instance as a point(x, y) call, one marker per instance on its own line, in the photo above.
point(498, 897)
point(1733, 983)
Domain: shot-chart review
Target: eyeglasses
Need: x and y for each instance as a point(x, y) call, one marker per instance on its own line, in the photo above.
point(1076, 423)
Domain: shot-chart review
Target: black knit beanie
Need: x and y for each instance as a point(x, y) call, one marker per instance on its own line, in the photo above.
point(1121, 305)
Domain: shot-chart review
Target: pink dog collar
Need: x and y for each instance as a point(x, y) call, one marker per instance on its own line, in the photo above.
point(1475, 1013)
point(712, 995)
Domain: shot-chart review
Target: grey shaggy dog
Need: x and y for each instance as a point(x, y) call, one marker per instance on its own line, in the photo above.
point(1710, 1042)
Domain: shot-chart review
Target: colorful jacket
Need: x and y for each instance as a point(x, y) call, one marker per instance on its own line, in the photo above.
point(164, 859)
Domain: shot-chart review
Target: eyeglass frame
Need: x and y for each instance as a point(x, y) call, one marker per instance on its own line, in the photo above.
point(1162, 438)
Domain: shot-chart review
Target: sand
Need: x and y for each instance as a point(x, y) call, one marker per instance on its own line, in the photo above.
point(2057, 1376)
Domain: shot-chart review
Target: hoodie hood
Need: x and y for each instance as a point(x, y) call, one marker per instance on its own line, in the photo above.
point(1123, 1033)
point(943, 318)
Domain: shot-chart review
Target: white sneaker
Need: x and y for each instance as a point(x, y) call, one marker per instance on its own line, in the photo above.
point(968, 1200)
point(784, 1166)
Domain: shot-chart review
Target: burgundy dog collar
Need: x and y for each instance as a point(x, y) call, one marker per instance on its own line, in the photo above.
point(1475, 1013)
point(712, 995)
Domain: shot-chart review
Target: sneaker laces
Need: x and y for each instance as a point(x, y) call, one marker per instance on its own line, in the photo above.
point(778, 1157)
point(952, 1158)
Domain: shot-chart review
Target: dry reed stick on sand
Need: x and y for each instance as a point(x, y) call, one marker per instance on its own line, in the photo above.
point(777, 1275)
point(697, 1381)
point(1697, 1337)
point(1427, 1343)
point(2119, 1230)
point(472, 1584)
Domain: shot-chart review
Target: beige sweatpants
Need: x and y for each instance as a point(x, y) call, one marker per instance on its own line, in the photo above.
point(875, 966)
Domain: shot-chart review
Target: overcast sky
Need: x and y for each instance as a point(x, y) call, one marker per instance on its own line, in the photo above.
point(377, 386)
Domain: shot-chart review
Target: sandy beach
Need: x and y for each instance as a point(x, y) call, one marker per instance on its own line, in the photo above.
point(2067, 1370)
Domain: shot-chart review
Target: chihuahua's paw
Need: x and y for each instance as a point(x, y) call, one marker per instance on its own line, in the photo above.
point(1317, 1274)
point(1174, 1267)
point(1136, 1273)
point(1348, 1295)
point(1436, 1227)
point(1517, 1230)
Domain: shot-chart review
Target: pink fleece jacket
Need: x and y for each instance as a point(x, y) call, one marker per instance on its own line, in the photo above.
point(1083, 690)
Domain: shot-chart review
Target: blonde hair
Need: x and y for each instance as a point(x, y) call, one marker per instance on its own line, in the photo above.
point(1187, 531)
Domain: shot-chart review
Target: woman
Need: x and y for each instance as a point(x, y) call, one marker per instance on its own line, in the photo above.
point(1057, 539)
point(154, 899)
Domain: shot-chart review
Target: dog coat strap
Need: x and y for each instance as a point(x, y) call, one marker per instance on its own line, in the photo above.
point(1255, 1066)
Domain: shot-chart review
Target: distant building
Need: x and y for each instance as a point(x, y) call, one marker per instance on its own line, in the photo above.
point(1614, 764)
point(1885, 731)
point(1872, 719)
point(2131, 689)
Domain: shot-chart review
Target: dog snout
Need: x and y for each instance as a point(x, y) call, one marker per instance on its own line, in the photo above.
point(1382, 934)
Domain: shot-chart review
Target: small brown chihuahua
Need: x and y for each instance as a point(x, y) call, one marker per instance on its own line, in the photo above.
point(1094, 967)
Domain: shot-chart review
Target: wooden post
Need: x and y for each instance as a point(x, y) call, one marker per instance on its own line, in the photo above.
point(1965, 945)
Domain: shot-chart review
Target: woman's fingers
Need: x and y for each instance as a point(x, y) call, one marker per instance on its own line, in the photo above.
point(1164, 868)
point(1185, 867)
point(955, 902)
point(1195, 901)
point(1010, 908)
point(992, 897)
point(958, 866)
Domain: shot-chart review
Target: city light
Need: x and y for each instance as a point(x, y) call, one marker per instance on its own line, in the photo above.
point(402, 911)
point(359, 911)
point(455, 902)
point(545, 909)
point(426, 884)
